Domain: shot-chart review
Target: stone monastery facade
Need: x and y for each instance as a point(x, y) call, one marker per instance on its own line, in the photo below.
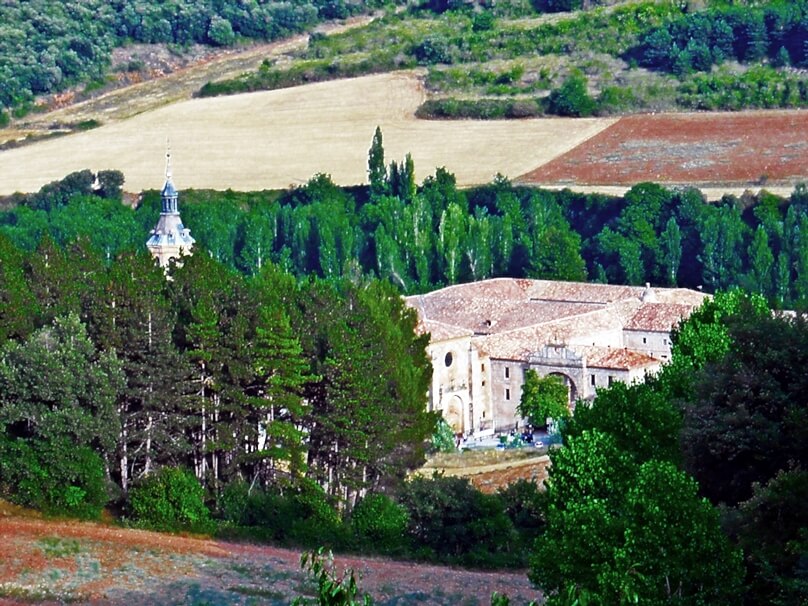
point(486, 335)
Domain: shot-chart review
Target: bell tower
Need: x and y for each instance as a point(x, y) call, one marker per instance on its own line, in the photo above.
point(170, 238)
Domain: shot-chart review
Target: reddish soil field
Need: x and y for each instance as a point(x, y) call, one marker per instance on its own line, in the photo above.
point(53, 562)
point(750, 148)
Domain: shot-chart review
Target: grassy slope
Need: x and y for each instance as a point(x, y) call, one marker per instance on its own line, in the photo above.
point(514, 59)
point(58, 561)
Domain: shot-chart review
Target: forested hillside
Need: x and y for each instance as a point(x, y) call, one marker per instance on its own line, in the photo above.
point(46, 46)
point(509, 60)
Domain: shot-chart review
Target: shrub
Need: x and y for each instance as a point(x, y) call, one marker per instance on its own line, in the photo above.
point(302, 515)
point(171, 499)
point(56, 477)
point(523, 505)
point(378, 521)
point(571, 98)
point(453, 521)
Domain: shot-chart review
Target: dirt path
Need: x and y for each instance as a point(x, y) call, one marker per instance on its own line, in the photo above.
point(52, 562)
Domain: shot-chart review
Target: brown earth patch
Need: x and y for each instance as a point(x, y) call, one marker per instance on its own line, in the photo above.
point(750, 148)
point(53, 562)
point(490, 470)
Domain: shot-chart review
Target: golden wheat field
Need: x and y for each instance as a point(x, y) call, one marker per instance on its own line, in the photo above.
point(274, 139)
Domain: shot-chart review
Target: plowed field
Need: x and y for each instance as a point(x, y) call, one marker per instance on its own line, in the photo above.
point(745, 149)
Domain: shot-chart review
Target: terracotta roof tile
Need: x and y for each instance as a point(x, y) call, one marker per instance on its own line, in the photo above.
point(617, 358)
point(512, 318)
point(658, 317)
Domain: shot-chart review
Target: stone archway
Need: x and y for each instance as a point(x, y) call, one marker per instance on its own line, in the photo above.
point(453, 414)
point(572, 389)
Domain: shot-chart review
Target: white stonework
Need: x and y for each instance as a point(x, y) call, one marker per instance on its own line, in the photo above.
point(486, 335)
point(169, 239)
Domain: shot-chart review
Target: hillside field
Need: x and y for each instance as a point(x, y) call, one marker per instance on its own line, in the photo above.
point(702, 149)
point(49, 562)
point(275, 139)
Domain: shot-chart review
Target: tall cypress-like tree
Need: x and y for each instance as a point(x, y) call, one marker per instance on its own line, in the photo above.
point(377, 169)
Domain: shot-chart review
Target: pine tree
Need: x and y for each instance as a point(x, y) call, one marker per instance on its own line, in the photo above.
point(281, 371)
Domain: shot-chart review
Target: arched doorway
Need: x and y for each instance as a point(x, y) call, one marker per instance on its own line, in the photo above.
point(572, 390)
point(453, 414)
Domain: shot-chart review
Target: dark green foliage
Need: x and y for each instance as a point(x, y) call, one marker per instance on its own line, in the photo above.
point(299, 516)
point(55, 476)
point(771, 527)
point(701, 39)
point(379, 522)
point(452, 521)
point(48, 46)
point(747, 421)
point(572, 98)
point(524, 505)
point(171, 499)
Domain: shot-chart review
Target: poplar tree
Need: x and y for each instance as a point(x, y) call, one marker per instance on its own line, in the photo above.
point(377, 169)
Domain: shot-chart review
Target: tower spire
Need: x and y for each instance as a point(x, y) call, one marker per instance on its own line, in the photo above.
point(168, 159)
point(169, 238)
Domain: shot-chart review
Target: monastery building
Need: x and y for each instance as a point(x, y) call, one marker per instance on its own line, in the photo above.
point(486, 335)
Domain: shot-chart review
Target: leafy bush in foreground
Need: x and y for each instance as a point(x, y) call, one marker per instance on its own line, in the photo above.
point(56, 477)
point(171, 499)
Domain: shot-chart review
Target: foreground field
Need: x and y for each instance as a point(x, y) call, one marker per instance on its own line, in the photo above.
point(706, 149)
point(280, 138)
point(55, 562)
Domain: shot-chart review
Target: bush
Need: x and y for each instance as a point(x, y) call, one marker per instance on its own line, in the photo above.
point(55, 477)
point(380, 522)
point(171, 499)
point(453, 521)
point(301, 516)
point(571, 98)
point(524, 506)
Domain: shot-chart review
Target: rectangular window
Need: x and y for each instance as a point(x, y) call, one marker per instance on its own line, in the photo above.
point(507, 394)
point(644, 340)
point(592, 378)
point(482, 367)
point(611, 380)
point(507, 372)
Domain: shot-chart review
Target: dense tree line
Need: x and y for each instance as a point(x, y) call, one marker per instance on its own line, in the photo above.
point(109, 371)
point(778, 32)
point(627, 523)
point(422, 237)
point(46, 45)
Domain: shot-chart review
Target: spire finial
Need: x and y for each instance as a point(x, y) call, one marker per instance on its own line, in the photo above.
point(168, 159)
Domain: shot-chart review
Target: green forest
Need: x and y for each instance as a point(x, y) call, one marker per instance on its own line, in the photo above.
point(421, 237)
point(46, 46)
point(483, 59)
point(273, 389)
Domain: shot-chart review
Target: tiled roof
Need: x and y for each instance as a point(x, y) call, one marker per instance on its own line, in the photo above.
point(512, 318)
point(617, 358)
point(658, 317)
point(440, 331)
